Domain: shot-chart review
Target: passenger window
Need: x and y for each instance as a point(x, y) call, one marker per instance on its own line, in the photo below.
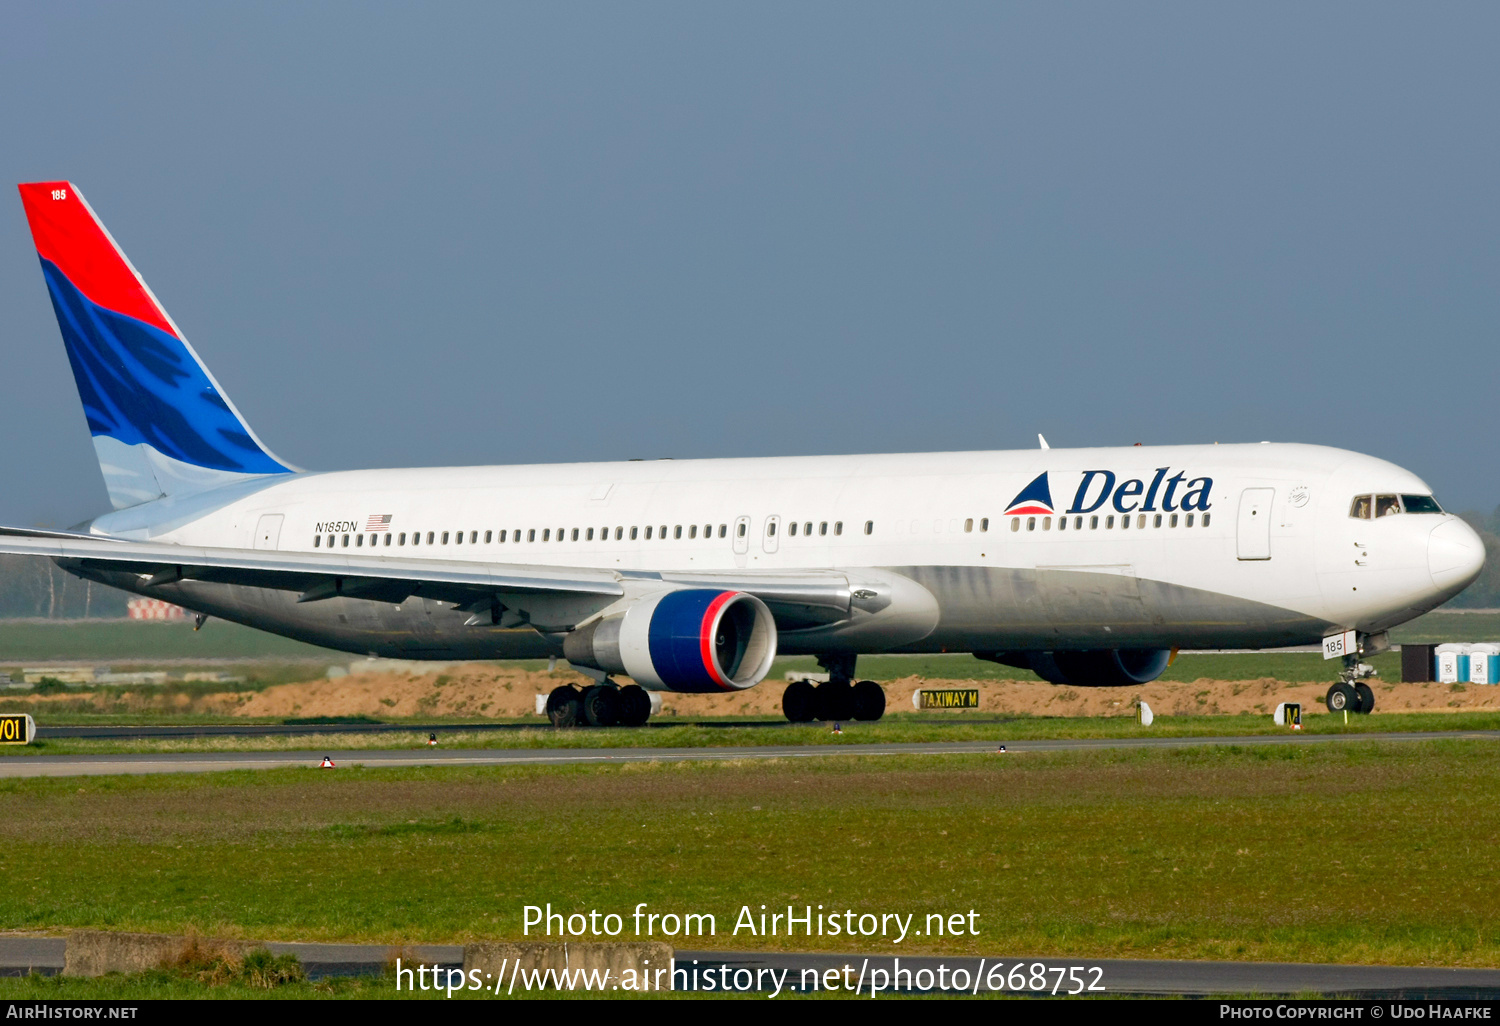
point(648, 532)
point(1015, 524)
point(822, 529)
point(1157, 521)
point(445, 537)
point(770, 528)
point(1205, 518)
point(489, 536)
point(969, 526)
point(416, 538)
point(1189, 521)
point(869, 527)
point(1078, 523)
point(984, 525)
point(387, 541)
point(1360, 509)
point(359, 540)
point(620, 533)
point(1031, 523)
point(590, 535)
point(663, 535)
point(634, 533)
point(1173, 521)
point(575, 533)
point(791, 529)
point(677, 532)
point(458, 538)
point(708, 531)
point(473, 537)
point(1109, 522)
point(502, 537)
point(1420, 504)
point(1140, 521)
point(1386, 505)
point(531, 534)
point(1125, 522)
point(346, 541)
point(1062, 523)
point(1046, 523)
point(807, 528)
point(317, 541)
point(838, 527)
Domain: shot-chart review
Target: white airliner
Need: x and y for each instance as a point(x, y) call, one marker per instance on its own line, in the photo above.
point(1088, 566)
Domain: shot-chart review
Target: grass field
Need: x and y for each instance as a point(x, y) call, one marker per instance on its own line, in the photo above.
point(909, 727)
point(1350, 853)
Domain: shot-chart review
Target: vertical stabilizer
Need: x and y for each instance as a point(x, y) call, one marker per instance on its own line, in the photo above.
point(161, 424)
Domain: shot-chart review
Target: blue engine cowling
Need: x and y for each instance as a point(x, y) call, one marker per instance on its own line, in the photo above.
point(692, 640)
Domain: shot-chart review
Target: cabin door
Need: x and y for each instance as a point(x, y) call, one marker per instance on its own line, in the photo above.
point(1253, 535)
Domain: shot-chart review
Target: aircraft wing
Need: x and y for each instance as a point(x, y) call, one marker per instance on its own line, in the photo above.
point(550, 598)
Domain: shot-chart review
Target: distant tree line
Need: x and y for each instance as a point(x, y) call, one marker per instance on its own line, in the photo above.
point(34, 586)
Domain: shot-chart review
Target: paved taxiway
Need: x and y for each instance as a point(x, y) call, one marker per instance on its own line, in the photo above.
point(21, 955)
point(210, 762)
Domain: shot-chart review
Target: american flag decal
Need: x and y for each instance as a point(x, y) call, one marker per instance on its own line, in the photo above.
point(380, 522)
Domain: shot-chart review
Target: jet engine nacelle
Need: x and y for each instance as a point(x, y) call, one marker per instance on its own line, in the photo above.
point(1100, 668)
point(692, 640)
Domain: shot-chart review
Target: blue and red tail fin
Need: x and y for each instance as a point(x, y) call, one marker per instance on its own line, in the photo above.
point(161, 423)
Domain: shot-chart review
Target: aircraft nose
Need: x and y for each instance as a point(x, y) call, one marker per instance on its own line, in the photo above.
point(1455, 554)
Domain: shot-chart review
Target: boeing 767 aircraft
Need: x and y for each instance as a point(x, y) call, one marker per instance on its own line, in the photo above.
point(1088, 566)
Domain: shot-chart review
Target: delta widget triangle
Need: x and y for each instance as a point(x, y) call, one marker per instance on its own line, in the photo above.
point(1034, 498)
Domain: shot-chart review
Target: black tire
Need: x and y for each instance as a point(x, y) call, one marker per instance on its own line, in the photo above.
point(634, 705)
point(799, 701)
point(564, 708)
point(1342, 697)
point(1366, 697)
point(868, 700)
point(601, 705)
point(834, 701)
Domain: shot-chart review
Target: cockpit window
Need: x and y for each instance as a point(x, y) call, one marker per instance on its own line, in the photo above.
point(1420, 504)
point(1360, 510)
point(1385, 505)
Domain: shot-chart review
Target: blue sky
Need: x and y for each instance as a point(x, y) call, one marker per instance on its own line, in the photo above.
point(451, 234)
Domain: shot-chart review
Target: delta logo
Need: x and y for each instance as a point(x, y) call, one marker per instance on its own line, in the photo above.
point(1163, 493)
point(1034, 498)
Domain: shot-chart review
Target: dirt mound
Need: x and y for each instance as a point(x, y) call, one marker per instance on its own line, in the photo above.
point(484, 690)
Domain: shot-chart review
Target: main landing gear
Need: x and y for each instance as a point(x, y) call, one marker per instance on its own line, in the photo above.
point(838, 698)
point(1351, 693)
point(599, 705)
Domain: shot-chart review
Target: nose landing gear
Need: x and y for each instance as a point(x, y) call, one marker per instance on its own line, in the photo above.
point(1351, 693)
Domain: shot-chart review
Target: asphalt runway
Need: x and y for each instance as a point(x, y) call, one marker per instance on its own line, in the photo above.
point(210, 762)
point(158, 730)
point(22, 955)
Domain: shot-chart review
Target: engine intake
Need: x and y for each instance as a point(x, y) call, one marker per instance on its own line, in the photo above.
point(691, 640)
point(1100, 668)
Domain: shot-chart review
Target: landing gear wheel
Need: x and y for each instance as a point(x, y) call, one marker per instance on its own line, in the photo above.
point(601, 705)
point(799, 701)
point(834, 700)
point(634, 705)
point(1342, 698)
point(868, 700)
point(1366, 698)
point(564, 708)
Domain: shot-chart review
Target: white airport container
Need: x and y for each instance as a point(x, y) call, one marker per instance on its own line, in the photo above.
point(1484, 664)
point(1452, 663)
